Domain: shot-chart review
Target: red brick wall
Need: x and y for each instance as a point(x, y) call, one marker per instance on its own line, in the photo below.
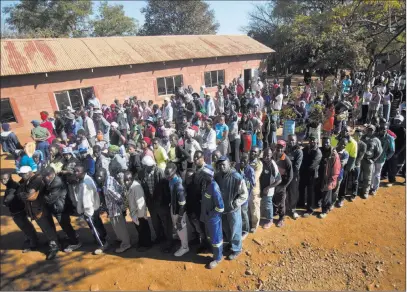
point(31, 94)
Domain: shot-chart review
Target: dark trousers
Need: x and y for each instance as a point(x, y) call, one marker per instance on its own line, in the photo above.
point(64, 221)
point(394, 165)
point(279, 198)
point(326, 200)
point(292, 193)
point(307, 191)
point(245, 218)
point(46, 223)
point(144, 233)
point(25, 225)
point(162, 222)
point(235, 150)
point(43, 146)
point(98, 229)
point(365, 109)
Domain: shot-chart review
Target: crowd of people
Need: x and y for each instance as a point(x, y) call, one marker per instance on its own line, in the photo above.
point(210, 167)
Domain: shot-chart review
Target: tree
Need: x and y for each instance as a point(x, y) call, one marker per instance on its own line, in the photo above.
point(112, 21)
point(178, 18)
point(52, 18)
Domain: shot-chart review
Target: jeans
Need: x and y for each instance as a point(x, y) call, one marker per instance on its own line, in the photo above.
point(266, 206)
point(377, 170)
point(144, 233)
point(245, 218)
point(326, 200)
point(26, 227)
point(232, 226)
point(43, 146)
point(98, 229)
point(197, 226)
point(355, 180)
point(394, 165)
point(335, 191)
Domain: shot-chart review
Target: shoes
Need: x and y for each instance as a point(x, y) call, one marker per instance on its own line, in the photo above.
point(322, 215)
point(101, 249)
point(72, 247)
point(365, 196)
point(122, 249)
point(339, 204)
point(308, 213)
point(268, 224)
point(245, 235)
point(202, 249)
point(27, 246)
point(372, 193)
point(253, 230)
point(331, 208)
point(181, 251)
point(295, 215)
point(212, 265)
point(280, 223)
point(352, 198)
point(233, 255)
point(52, 254)
point(389, 184)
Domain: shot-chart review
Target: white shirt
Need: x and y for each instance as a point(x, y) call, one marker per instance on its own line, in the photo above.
point(279, 102)
point(273, 179)
point(137, 202)
point(87, 197)
point(211, 108)
point(89, 127)
point(367, 97)
point(191, 147)
point(168, 113)
point(210, 141)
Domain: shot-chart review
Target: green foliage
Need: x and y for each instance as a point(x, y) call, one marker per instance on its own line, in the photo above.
point(316, 115)
point(112, 21)
point(178, 18)
point(288, 113)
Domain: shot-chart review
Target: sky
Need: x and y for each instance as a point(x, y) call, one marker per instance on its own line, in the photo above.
point(231, 15)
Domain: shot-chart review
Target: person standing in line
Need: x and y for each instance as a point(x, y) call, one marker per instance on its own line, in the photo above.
point(294, 153)
point(222, 133)
point(344, 158)
point(208, 135)
point(178, 207)
point(113, 193)
point(269, 179)
point(16, 207)
point(234, 194)
point(329, 170)
point(138, 211)
point(247, 172)
point(398, 158)
point(190, 146)
point(308, 176)
point(40, 135)
point(168, 112)
point(87, 202)
point(286, 173)
point(373, 152)
point(254, 201)
point(212, 208)
point(89, 128)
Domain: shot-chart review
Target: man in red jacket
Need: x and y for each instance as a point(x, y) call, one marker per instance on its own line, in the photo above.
point(329, 170)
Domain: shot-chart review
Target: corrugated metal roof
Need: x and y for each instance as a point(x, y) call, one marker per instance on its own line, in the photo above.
point(29, 56)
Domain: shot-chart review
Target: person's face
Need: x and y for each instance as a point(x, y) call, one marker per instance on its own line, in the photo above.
point(208, 125)
point(155, 145)
point(267, 155)
point(128, 181)
point(144, 145)
point(244, 161)
point(382, 130)
point(36, 159)
point(83, 155)
point(110, 154)
point(4, 179)
point(160, 122)
point(254, 153)
point(292, 140)
point(97, 152)
point(224, 166)
point(184, 120)
point(341, 145)
point(67, 156)
point(369, 132)
point(312, 143)
point(326, 143)
point(54, 151)
point(280, 150)
point(100, 178)
point(26, 176)
point(199, 159)
point(215, 157)
point(132, 149)
point(79, 173)
point(173, 141)
point(187, 135)
point(149, 169)
point(49, 178)
point(222, 120)
point(358, 135)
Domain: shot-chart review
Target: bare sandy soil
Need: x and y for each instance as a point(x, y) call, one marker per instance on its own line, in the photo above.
point(358, 247)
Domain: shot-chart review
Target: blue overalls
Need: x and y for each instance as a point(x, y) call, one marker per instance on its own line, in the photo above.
point(211, 214)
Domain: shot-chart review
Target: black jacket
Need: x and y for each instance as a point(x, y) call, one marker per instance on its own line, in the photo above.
point(310, 162)
point(161, 196)
point(11, 200)
point(55, 194)
point(135, 163)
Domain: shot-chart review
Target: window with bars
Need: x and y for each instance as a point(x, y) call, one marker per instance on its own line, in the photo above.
point(6, 111)
point(214, 78)
point(74, 98)
point(166, 85)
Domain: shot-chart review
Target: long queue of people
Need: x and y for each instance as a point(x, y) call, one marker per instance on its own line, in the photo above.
point(191, 167)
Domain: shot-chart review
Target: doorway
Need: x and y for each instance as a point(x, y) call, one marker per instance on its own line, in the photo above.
point(247, 75)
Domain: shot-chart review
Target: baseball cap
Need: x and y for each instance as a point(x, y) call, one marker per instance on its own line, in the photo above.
point(25, 169)
point(222, 158)
point(281, 142)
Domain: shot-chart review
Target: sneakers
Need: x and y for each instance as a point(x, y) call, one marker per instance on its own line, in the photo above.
point(365, 196)
point(52, 254)
point(295, 215)
point(389, 184)
point(331, 207)
point(339, 204)
point(233, 255)
point(280, 223)
point(322, 215)
point(268, 224)
point(212, 265)
point(308, 213)
point(181, 252)
point(245, 235)
point(352, 198)
point(252, 230)
point(100, 250)
point(122, 249)
point(72, 247)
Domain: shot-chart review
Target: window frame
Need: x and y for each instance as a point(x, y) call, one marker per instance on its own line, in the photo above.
point(217, 78)
point(165, 83)
point(12, 111)
point(69, 97)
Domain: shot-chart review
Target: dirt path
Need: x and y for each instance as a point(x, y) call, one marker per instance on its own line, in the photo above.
point(358, 247)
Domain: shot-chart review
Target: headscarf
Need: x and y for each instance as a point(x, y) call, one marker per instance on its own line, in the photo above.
point(114, 149)
point(44, 115)
point(35, 123)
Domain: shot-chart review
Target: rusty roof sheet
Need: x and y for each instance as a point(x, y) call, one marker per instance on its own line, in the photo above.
point(30, 56)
